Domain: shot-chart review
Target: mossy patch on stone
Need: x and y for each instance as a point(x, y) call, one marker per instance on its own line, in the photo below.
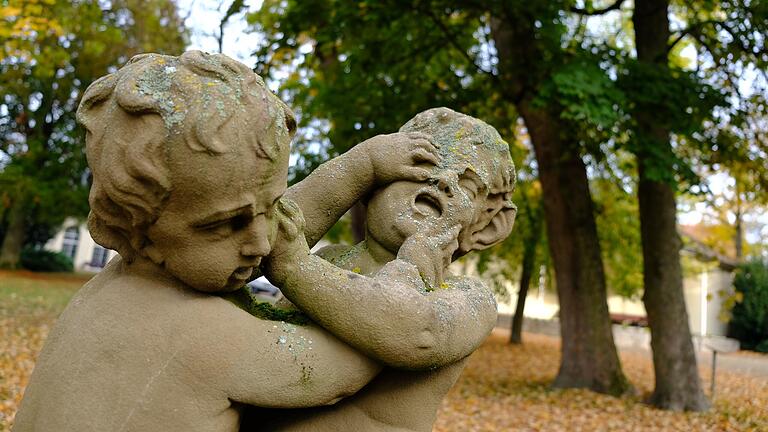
point(245, 300)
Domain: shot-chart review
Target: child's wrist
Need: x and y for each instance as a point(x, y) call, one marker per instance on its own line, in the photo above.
point(279, 267)
point(363, 163)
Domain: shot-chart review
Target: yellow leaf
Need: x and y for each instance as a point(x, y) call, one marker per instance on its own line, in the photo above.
point(9, 11)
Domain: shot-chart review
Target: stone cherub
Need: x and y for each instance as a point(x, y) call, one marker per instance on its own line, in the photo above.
point(189, 159)
point(465, 200)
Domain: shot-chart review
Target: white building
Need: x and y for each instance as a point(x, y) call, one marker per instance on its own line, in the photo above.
point(74, 241)
point(704, 295)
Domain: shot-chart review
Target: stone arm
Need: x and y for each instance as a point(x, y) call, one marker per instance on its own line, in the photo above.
point(335, 186)
point(390, 317)
point(273, 364)
point(332, 189)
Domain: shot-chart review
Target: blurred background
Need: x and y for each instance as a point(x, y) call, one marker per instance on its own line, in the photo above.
point(638, 128)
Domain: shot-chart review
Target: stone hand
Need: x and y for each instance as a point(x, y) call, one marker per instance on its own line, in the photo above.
point(400, 156)
point(431, 250)
point(289, 239)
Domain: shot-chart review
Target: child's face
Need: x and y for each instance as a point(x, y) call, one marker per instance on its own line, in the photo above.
point(401, 209)
point(217, 224)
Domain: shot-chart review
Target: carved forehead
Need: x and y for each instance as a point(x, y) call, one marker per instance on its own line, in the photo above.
point(201, 96)
point(466, 143)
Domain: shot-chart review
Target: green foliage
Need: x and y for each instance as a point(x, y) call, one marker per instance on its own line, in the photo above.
point(341, 231)
point(51, 51)
point(41, 260)
point(678, 100)
point(618, 226)
point(732, 58)
point(589, 100)
point(348, 82)
point(749, 323)
point(762, 346)
point(672, 100)
point(36, 235)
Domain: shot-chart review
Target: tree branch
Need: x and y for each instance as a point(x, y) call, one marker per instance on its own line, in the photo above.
point(592, 12)
point(715, 58)
point(451, 39)
point(693, 30)
point(737, 39)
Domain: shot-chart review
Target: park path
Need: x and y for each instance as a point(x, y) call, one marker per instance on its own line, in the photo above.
point(633, 341)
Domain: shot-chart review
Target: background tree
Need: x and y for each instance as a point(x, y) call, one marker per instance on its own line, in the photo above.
point(735, 194)
point(669, 107)
point(532, 242)
point(523, 253)
point(51, 51)
point(618, 225)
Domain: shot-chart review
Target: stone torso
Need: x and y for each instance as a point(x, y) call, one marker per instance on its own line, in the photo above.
point(132, 354)
point(89, 354)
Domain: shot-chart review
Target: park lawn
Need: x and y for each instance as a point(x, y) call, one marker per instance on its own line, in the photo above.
point(40, 295)
point(504, 388)
point(29, 305)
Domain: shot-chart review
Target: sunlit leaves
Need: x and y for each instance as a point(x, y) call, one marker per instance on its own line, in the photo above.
point(52, 51)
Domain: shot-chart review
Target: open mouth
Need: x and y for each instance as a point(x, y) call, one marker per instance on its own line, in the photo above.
point(428, 205)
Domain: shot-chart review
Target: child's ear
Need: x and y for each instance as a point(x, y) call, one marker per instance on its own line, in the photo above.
point(496, 229)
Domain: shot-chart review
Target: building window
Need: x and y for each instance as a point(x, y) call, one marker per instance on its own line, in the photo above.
point(99, 257)
point(71, 239)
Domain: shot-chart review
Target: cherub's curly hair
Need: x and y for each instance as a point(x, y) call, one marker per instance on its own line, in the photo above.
point(135, 116)
point(469, 144)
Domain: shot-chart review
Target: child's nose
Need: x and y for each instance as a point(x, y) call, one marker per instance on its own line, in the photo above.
point(256, 243)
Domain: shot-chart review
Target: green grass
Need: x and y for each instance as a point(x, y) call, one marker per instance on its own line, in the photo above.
point(37, 294)
point(29, 305)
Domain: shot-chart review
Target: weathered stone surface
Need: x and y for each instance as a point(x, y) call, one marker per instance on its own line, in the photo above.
point(189, 158)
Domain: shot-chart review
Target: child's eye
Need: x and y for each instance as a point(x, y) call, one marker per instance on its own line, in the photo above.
point(228, 225)
point(218, 228)
point(470, 187)
point(240, 222)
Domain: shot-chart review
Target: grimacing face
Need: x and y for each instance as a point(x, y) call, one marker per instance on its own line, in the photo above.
point(217, 224)
point(403, 208)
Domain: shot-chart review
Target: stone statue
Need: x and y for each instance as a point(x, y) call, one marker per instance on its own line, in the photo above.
point(465, 200)
point(189, 158)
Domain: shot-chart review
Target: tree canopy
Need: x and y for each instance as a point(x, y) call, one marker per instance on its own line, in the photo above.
point(51, 51)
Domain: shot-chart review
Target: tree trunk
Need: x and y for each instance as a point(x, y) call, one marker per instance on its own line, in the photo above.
point(674, 361)
point(589, 357)
point(739, 224)
point(529, 255)
point(14, 236)
point(677, 379)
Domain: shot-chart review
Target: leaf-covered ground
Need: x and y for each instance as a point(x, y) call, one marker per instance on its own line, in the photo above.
point(504, 388)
